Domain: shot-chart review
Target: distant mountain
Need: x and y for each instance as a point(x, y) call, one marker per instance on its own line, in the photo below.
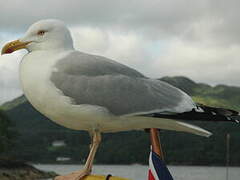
point(220, 95)
point(14, 103)
point(36, 134)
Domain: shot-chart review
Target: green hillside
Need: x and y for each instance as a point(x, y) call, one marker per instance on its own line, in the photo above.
point(36, 134)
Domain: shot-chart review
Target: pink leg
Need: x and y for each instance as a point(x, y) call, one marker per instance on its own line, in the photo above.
point(78, 175)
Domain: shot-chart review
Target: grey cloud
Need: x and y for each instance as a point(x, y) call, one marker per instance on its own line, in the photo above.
point(9, 80)
point(156, 18)
point(9, 85)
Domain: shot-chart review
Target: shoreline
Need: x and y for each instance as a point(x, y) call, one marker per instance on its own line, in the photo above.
point(17, 170)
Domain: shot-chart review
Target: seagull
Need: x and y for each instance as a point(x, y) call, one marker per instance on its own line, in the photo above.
point(88, 92)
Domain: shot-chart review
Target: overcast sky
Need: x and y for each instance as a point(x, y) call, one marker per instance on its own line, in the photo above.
point(197, 39)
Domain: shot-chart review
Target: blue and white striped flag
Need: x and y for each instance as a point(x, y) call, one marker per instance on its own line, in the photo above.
point(157, 168)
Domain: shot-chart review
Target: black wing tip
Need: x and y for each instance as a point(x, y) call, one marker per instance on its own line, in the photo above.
point(223, 113)
point(235, 119)
point(209, 114)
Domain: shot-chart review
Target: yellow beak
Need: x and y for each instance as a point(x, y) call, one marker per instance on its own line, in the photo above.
point(13, 46)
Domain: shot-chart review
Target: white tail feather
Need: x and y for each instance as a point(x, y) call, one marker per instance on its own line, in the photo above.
point(140, 122)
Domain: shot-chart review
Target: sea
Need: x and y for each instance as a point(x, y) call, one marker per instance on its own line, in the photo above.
point(139, 172)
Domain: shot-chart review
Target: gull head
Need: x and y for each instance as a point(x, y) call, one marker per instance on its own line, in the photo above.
point(47, 34)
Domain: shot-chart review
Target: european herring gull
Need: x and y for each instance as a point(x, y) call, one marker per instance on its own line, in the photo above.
point(88, 92)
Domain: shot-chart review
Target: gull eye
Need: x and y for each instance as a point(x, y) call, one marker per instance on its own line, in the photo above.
point(41, 32)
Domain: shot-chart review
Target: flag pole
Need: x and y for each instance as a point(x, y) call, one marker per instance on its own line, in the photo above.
point(157, 168)
point(156, 143)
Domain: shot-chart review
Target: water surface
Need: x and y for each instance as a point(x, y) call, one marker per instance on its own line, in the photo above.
point(139, 172)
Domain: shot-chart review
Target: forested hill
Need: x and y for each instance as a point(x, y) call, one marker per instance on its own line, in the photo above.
point(36, 134)
point(220, 95)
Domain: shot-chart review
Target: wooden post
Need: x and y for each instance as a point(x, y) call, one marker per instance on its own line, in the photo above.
point(155, 141)
point(227, 154)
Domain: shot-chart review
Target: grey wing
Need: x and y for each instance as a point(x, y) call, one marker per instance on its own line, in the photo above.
point(121, 90)
point(78, 63)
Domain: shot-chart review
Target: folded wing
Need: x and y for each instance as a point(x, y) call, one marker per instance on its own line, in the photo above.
point(95, 80)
